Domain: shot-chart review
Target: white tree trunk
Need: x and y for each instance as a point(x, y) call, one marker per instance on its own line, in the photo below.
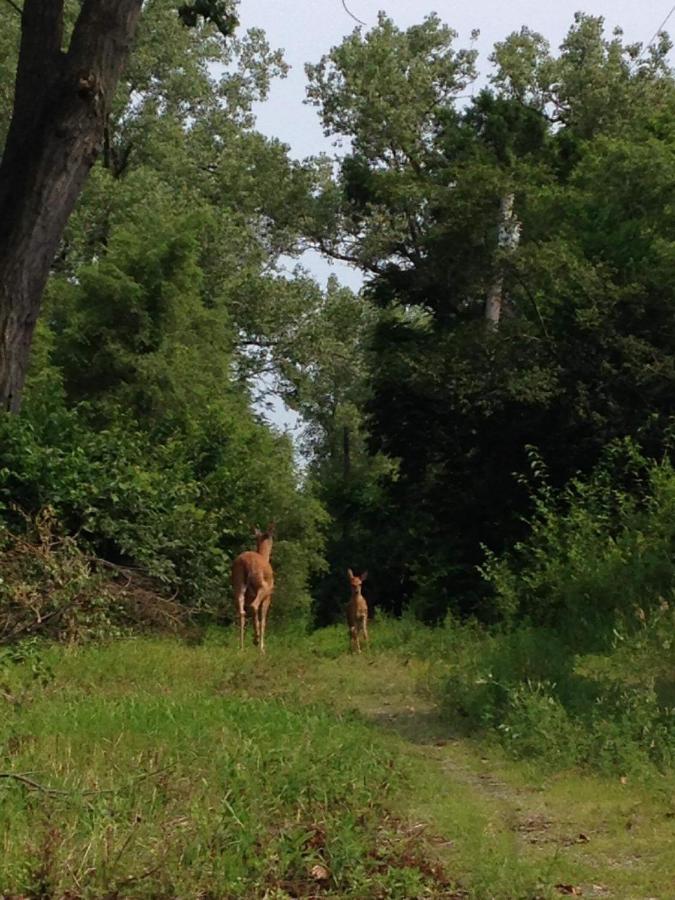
point(507, 241)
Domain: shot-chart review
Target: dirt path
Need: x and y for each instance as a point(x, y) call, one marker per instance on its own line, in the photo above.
point(586, 836)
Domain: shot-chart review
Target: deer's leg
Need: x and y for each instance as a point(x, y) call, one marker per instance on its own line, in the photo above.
point(255, 606)
point(265, 605)
point(365, 632)
point(351, 625)
point(240, 608)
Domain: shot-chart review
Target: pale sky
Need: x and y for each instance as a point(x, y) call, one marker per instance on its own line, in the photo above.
point(307, 29)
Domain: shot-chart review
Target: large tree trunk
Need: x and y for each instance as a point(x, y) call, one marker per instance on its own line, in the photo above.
point(60, 107)
point(507, 240)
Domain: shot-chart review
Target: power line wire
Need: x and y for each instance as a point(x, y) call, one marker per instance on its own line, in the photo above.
point(658, 31)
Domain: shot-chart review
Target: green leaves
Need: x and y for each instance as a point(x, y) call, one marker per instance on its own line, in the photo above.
point(585, 352)
point(219, 12)
point(383, 90)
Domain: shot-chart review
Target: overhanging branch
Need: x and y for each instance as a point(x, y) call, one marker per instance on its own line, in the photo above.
point(351, 14)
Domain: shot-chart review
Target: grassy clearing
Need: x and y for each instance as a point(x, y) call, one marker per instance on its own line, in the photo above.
point(193, 771)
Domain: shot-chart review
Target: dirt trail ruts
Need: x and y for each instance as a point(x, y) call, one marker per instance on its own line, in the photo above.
point(399, 706)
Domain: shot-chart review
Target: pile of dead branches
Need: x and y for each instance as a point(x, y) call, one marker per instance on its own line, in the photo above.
point(51, 586)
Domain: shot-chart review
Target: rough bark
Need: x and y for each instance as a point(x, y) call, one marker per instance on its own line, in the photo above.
point(62, 99)
point(507, 240)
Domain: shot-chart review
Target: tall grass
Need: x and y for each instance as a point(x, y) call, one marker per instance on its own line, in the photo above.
point(161, 774)
point(598, 552)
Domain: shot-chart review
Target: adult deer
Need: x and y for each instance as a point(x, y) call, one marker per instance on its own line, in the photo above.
point(357, 611)
point(253, 583)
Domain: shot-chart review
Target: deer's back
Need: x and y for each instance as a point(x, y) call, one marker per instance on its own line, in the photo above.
point(252, 570)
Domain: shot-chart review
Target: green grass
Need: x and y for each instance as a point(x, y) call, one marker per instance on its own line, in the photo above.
point(196, 771)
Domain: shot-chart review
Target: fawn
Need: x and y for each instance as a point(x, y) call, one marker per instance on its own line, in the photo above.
point(357, 611)
point(253, 583)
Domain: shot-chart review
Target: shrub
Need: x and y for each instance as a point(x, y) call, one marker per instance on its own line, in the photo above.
point(180, 506)
point(544, 702)
point(597, 551)
point(50, 587)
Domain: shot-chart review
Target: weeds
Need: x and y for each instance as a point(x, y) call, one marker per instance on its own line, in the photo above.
point(194, 790)
point(546, 703)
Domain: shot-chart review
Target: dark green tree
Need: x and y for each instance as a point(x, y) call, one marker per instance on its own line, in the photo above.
point(549, 197)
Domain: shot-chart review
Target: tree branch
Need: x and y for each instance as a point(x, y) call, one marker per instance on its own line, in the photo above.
point(15, 7)
point(320, 245)
point(350, 13)
point(59, 792)
point(24, 779)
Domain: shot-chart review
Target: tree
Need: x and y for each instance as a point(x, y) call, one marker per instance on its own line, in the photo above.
point(549, 194)
point(63, 94)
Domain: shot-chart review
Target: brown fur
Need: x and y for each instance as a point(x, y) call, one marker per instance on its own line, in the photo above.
point(357, 612)
point(252, 584)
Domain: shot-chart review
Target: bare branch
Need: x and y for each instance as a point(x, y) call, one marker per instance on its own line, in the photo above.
point(350, 13)
point(24, 779)
point(15, 7)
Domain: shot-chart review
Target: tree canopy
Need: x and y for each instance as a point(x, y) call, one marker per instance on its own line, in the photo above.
point(517, 248)
point(581, 142)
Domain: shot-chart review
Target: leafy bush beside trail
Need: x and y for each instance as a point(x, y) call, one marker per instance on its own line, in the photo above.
point(179, 509)
point(543, 702)
point(598, 552)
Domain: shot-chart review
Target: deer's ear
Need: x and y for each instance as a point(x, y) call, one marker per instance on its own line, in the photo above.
point(257, 533)
point(350, 573)
point(271, 528)
point(364, 575)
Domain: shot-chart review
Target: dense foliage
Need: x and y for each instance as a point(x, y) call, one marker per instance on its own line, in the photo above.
point(171, 317)
point(582, 145)
point(139, 430)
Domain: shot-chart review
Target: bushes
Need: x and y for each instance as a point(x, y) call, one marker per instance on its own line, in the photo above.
point(127, 501)
point(178, 507)
point(542, 701)
point(602, 548)
point(50, 587)
point(611, 727)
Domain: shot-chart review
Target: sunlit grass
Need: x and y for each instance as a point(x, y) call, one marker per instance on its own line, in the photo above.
point(177, 781)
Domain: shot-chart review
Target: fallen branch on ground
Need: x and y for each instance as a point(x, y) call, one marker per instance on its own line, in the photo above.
point(29, 782)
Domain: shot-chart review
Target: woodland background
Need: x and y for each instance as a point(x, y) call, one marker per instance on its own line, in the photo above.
point(488, 429)
point(434, 439)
